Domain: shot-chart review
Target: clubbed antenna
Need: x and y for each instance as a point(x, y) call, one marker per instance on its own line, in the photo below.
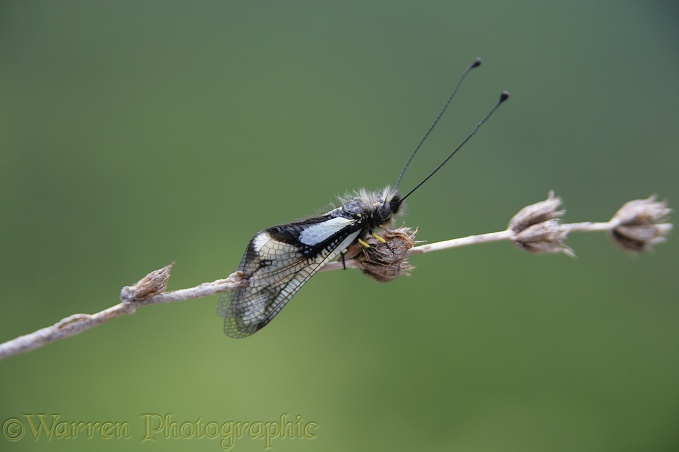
point(503, 97)
point(475, 63)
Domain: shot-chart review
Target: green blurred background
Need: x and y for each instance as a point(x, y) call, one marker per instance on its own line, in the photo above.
point(135, 133)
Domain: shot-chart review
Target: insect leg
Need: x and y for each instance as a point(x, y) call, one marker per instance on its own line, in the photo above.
point(364, 243)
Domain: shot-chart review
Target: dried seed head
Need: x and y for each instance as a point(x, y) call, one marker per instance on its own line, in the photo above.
point(640, 224)
point(542, 238)
point(536, 213)
point(537, 228)
point(150, 285)
point(384, 261)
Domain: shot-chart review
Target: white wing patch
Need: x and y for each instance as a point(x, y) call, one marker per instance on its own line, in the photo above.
point(313, 235)
point(260, 240)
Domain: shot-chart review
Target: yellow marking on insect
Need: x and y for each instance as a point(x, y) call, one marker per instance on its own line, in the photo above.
point(362, 242)
point(381, 239)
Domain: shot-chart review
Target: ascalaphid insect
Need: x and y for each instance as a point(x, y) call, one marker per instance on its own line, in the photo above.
point(279, 260)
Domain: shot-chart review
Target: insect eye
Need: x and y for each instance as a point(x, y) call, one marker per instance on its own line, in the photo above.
point(395, 203)
point(384, 211)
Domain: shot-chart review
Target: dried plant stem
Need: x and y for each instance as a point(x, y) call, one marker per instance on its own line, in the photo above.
point(64, 328)
point(508, 234)
point(463, 241)
point(590, 226)
point(77, 323)
point(535, 228)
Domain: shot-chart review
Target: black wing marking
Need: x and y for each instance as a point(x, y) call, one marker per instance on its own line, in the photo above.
point(277, 266)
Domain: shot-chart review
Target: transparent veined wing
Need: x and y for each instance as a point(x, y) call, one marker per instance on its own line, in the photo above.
point(277, 264)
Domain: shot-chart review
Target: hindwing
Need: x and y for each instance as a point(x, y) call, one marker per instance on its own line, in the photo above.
point(277, 262)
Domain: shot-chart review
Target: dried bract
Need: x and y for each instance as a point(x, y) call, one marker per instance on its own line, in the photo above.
point(384, 261)
point(640, 224)
point(150, 285)
point(542, 238)
point(536, 213)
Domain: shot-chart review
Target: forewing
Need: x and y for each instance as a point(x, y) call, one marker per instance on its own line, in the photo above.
point(276, 270)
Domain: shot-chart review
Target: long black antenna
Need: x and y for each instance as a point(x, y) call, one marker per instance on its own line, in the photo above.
point(503, 97)
point(475, 63)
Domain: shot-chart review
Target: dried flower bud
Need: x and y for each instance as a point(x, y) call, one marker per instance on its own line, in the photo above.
point(150, 285)
point(384, 261)
point(639, 224)
point(537, 228)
